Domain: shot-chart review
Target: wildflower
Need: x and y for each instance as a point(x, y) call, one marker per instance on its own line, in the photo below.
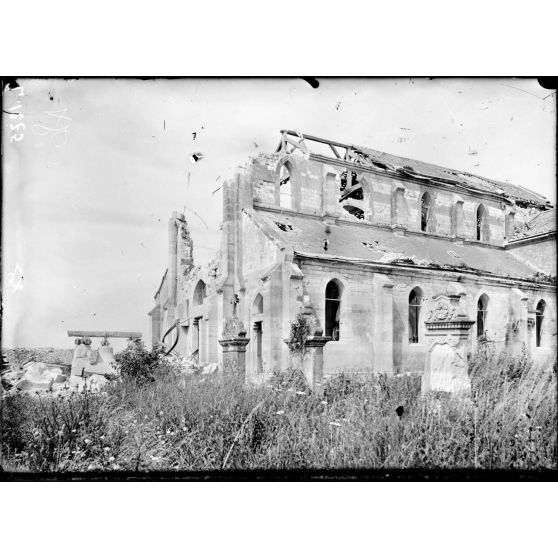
point(160, 413)
point(184, 428)
point(323, 402)
point(111, 458)
point(102, 437)
point(335, 424)
point(87, 441)
point(90, 467)
point(116, 466)
point(301, 393)
point(281, 412)
point(106, 448)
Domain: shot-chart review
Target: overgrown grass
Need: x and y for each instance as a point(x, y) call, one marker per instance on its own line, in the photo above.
point(210, 423)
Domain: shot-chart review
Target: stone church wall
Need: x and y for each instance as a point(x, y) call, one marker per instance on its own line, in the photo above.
point(360, 299)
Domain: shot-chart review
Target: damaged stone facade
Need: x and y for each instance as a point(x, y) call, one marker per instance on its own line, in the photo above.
point(372, 247)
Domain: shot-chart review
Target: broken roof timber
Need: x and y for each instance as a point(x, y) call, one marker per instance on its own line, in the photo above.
point(381, 163)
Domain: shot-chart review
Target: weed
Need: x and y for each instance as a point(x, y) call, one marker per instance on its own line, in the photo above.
point(157, 420)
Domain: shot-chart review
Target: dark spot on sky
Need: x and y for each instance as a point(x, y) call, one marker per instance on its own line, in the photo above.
point(548, 82)
point(313, 82)
point(50, 96)
point(10, 84)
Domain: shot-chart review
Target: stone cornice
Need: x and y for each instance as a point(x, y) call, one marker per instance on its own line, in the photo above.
point(415, 269)
point(450, 324)
point(528, 239)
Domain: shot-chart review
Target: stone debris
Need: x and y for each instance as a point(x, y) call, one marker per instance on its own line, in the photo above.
point(182, 365)
point(55, 374)
point(188, 366)
point(47, 355)
point(98, 380)
point(210, 369)
point(39, 378)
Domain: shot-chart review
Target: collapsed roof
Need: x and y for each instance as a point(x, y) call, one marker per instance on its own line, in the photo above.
point(543, 223)
point(353, 242)
point(405, 167)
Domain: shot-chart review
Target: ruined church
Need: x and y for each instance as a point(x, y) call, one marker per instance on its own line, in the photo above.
point(400, 266)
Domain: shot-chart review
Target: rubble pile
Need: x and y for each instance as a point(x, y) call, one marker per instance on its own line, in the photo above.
point(188, 366)
point(48, 355)
point(39, 378)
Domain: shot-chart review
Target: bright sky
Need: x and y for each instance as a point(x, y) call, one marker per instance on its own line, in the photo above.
point(101, 164)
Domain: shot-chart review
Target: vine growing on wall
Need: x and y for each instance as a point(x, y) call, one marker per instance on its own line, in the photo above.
point(300, 330)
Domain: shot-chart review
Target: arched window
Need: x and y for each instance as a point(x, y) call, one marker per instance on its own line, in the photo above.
point(258, 305)
point(285, 190)
point(332, 309)
point(482, 308)
point(257, 309)
point(415, 300)
point(539, 321)
point(425, 212)
point(482, 229)
point(199, 293)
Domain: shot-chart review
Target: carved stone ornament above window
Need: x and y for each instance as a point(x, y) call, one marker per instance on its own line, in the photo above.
point(443, 311)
